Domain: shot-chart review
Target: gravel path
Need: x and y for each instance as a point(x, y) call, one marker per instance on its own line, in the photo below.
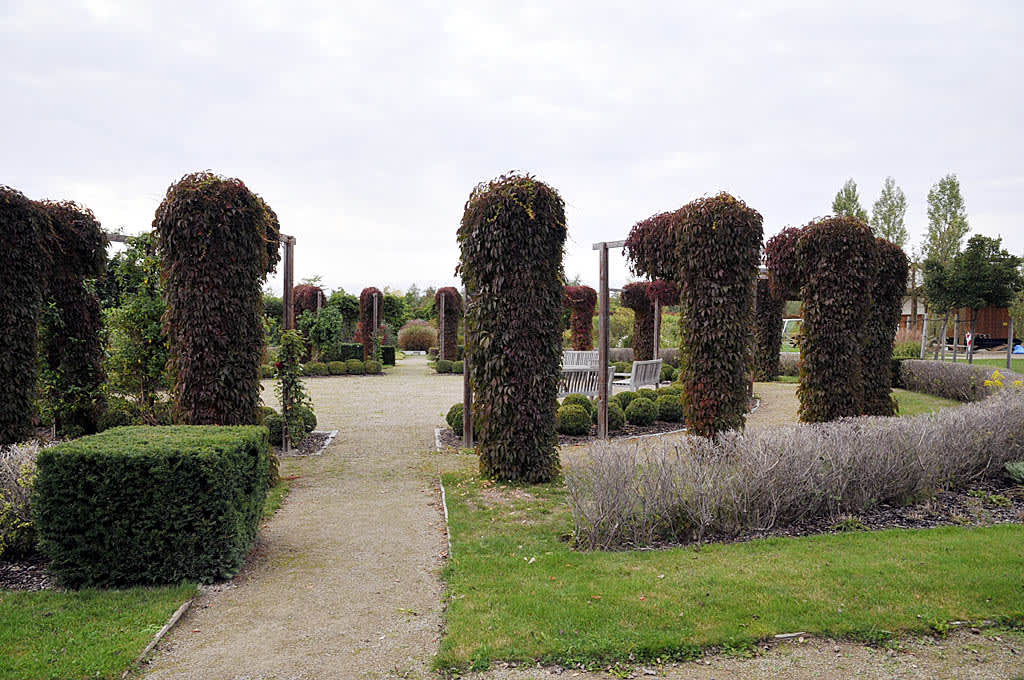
point(345, 581)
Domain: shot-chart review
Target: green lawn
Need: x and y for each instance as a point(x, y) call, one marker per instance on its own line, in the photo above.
point(517, 591)
point(914, 403)
point(81, 634)
point(1016, 363)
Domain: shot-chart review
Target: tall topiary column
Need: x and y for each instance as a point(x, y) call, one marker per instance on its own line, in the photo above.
point(768, 309)
point(365, 329)
point(883, 319)
point(449, 334)
point(833, 261)
point(215, 239)
point(718, 246)
point(71, 349)
point(511, 240)
point(581, 301)
point(24, 228)
point(634, 296)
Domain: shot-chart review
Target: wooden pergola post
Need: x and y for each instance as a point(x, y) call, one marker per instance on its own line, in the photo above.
point(603, 388)
point(1009, 346)
point(289, 280)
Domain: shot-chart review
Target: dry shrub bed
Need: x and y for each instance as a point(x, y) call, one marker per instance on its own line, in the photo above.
point(642, 494)
point(961, 382)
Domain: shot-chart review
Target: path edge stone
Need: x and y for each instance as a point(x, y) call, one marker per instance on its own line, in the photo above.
point(159, 636)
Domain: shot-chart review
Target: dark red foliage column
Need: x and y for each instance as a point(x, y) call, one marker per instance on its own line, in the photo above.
point(449, 335)
point(581, 301)
point(634, 296)
point(718, 246)
point(768, 310)
point(511, 241)
point(216, 244)
point(71, 352)
point(306, 297)
point(880, 328)
point(839, 259)
point(365, 331)
point(23, 231)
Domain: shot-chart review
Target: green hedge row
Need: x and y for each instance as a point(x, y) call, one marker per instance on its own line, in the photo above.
point(147, 505)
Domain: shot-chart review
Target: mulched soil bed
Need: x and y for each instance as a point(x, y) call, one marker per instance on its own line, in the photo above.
point(311, 445)
point(973, 507)
point(25, 575)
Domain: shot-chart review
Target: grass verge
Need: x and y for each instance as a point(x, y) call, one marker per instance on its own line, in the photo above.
point(81, 634)
point(915, 403)
point(1017, 364)
point(275, 497)
point(518, 592)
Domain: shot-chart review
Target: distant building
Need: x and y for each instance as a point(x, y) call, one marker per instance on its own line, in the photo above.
point(993, 324)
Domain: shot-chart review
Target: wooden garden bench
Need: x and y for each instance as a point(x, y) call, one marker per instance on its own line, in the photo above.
point(581, 379)
point(642, 374)
point(575, 357)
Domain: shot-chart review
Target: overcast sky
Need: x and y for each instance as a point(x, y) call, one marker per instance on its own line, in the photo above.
point(366, 125)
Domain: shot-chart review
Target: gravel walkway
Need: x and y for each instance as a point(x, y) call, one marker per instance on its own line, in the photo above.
point(345, 582)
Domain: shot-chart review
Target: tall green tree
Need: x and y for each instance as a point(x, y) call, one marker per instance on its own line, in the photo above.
point(947, 220)
point(847, 202)
point(888, 212)
point(984, 275)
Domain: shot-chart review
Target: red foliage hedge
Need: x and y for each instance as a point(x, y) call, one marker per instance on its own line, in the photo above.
point(305, 297)
point(880, 328)
point(366, 319)
point(511, 240)
point(71, 351)
point(24, 230)
point(214, 239)
point(768, 309)
point(581, 301)
point(449, 335)
point(718, 247)
point(838, 260)
point(649, 247)
point(635, 297)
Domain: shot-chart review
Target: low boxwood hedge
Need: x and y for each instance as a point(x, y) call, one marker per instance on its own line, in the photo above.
point(148, 505)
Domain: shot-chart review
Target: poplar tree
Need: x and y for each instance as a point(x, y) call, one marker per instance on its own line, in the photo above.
point(888, 212)
point(947, 220)
point(847, 202)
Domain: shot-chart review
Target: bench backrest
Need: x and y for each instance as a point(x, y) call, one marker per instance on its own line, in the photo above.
point(575, 357)
point(582, 379)
point(645, 373)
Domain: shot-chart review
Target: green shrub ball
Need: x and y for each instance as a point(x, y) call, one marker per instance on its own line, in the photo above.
point(616, 417)
point(670, 409)
point(275, 423)
point(444, 366)
point(580, 400)
point(308, 419)
point(457, 367)
point(647, 393)
point(623, 399)
point(355, 367)
point(336, 368)
point(316, 368)
point(372, 367)
point(666, 373)
point(573, 420)
point(267, 371)
point(641, 412)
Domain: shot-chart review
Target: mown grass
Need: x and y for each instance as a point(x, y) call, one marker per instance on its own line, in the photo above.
point(915, 403)
point(517, 591)
point(275, 497)
point(1017, 364)
point(81, 634)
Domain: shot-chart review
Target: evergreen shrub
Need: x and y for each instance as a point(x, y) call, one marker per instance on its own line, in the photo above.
point(573, 419)
point(616, 417)
point(417, 335)
point(355, 367)
point(444, 366)
point(458, 367)
point(623, 399)
point(449, 335)
point(267, 371)
point(315, 368)
point(336, 368)
point(641, 411)
point(387, 355)
point(372, 367)
point(670, 408)
point(151, 505)
point(580, 400)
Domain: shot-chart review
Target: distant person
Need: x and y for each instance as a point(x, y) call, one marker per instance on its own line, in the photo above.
point(1019, 349)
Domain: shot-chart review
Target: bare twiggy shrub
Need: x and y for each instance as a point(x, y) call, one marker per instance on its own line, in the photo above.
point(625, 495)
point(17, 472)
point(789, 363)
point(961, 382)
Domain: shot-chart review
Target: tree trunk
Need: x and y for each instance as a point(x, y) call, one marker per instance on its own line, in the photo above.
point(974, 336)
point(941, 346)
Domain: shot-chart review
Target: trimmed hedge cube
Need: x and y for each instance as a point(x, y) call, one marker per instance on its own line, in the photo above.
point(149, 505)
point(387, 355)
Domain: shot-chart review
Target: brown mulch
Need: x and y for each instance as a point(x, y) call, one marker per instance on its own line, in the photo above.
point(29, 574)
point(311, 445)
point(985, 503)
